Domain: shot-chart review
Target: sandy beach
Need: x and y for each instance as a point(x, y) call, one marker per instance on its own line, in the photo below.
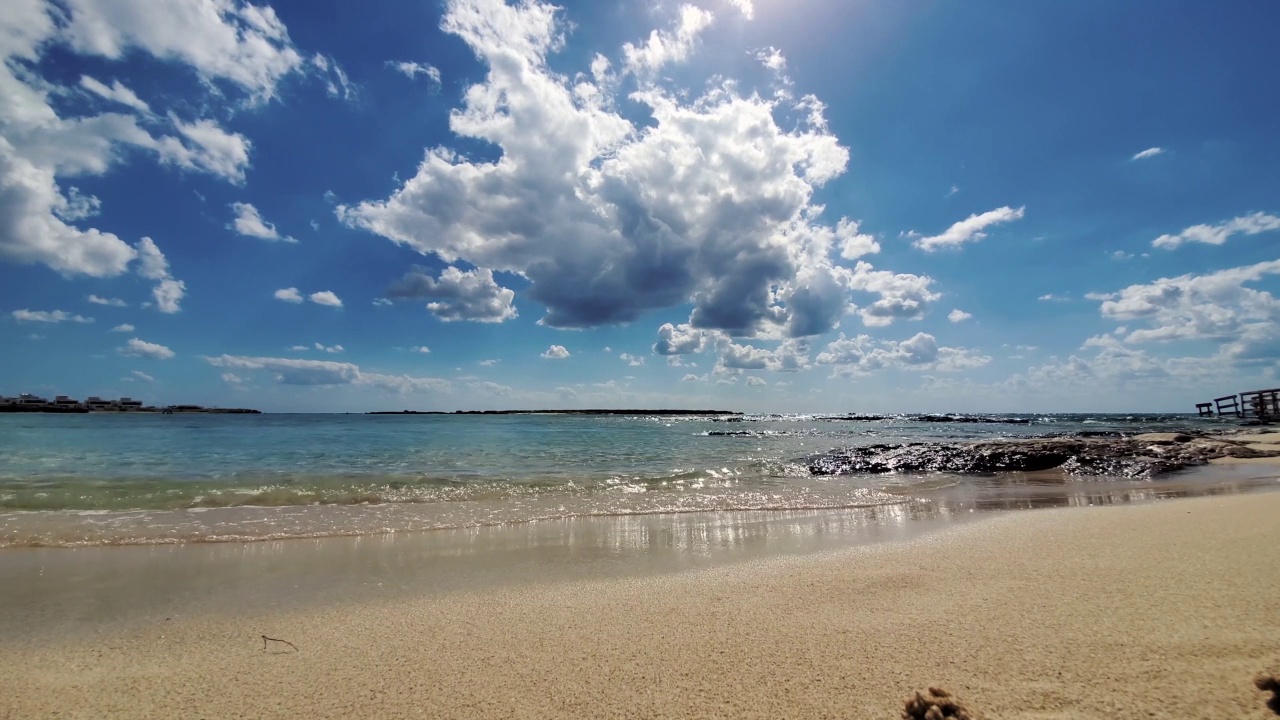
point(1166, 609)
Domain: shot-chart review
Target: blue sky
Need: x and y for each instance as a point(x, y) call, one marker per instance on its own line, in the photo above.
point(741, 204)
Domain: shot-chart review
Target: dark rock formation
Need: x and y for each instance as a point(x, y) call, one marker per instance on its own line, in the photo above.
point(938, 704)
point(1137, 456)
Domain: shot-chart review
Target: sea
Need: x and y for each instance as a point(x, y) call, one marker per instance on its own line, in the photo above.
point(70, 480)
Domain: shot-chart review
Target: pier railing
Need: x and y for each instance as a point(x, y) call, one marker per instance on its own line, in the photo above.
point(1259, 404)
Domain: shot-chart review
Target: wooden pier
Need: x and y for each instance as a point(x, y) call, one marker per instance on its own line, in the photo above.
point(1261, 405)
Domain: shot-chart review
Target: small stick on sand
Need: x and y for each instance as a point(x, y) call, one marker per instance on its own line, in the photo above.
point(286, 642)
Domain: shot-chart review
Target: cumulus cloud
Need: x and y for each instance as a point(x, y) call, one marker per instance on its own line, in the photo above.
point(632, 360)
point(329, 348)
point(678, 340)
point(555, 352)
point(1148, 153)
point(854, 244)
point(289, 295)
point(293, 371)
point(153, 265)
point(862, 355)
point(123, 328)
point(958, 315)
point(903, 296)
point(706, 202)
point(789, 356)
point(249, 222)
point(142, 348)
point(235, 50)
point(667, 46)
point(110, 302)
point(48, 316)
point(471, 295)
point(1251, 224)
point(690, 377)
point(412, 70)
point(1216, 306)
point(756, 382)
point(971, 229)
point(325, 297)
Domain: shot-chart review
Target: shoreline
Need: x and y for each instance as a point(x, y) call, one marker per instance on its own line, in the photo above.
point(1170, 605)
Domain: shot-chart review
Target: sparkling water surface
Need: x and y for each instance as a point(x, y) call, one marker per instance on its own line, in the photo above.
point(116, 478)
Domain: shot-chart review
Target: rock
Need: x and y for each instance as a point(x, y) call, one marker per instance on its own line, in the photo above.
point(1162, 438)
point(1142, 456)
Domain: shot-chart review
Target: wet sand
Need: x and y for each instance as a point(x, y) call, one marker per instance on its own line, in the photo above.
point(1165, 609)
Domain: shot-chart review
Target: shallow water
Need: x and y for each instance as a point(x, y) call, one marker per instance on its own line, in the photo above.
point(69, 480)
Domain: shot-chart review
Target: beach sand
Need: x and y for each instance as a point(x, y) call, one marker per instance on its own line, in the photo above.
point(1166, 609)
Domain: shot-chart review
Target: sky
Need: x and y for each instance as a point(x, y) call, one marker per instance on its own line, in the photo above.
point(755, 205)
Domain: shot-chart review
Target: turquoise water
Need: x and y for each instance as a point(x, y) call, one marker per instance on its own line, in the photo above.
point(114, 478)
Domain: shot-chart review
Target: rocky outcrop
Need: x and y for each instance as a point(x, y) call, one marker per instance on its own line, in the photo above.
point(1137, 456)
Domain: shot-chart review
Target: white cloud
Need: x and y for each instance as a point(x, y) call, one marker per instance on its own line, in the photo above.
point(123, 328)
point(1050, 297)
point(329, 348)
point(954, 189)
point(31, 226)
point(747, 8)
point(903, 296)
point(690, 377)
point(971, 229)
point(667, 46)
point(236, 51)
point(117, 92)
point(1217, 307)
point(471, 295)
point(153, 265)
point(382, 302)
point(707, 202)
point(756, 382)
point(249, 222)
point(246, 45)
point(423, 349)
point(300, 348)
point(142, 348)
point(632, 360)
point(289, 295)
point(862, 355)
point(789, 356)
point(1148, 153)
point(958, 315)
point(555, 352)
point(489, 363)
point(678, 340)
point(336, 82)
point(325, 297)
point(110, 302)
point(142, 376)
point(1251, 224)
point(772, 58)
point(48, 316)
point(412, 70)
point(854, 244)
point(232, 378)
point(168, 294)
point(293, 371)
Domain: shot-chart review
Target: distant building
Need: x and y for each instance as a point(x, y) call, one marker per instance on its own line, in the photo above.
point(29, 399)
